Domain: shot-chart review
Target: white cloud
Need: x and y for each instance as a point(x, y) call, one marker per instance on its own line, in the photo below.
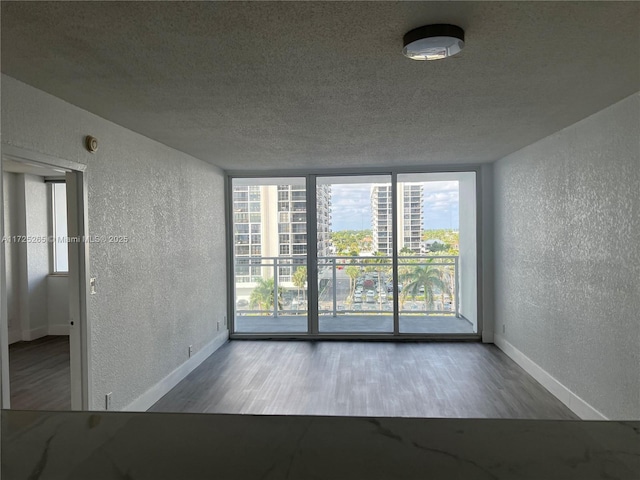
point(351, 205)
point(441, 204)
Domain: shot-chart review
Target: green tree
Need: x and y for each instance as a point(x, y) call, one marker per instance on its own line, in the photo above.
point(438, 247)
point(353, 272)
point(263, 295)
point(428, 277)
point(450, 238)
point(346, 241)
point(379, 264)
point(299, 278)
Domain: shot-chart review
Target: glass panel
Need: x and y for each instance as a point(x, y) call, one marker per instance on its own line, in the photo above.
point(434, 270)
point(270, 263)
point(354, 254)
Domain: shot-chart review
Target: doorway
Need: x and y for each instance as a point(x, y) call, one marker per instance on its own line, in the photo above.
point(44, 273)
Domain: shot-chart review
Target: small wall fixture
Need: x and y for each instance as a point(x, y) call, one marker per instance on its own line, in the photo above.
point(91, 143)
point(433, 42)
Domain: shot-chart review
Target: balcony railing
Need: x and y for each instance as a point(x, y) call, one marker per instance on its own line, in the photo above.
point(427, 285)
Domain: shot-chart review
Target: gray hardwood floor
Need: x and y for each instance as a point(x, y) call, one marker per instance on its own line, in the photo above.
point(456, 380)
point(39, 374)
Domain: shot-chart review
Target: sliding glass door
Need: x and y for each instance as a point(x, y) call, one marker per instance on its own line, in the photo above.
point(385, 254)
point(354, 254)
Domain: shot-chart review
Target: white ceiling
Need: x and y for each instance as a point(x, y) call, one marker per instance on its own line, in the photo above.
point(261, 85)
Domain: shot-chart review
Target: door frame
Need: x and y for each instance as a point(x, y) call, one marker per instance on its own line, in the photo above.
point(79, 328)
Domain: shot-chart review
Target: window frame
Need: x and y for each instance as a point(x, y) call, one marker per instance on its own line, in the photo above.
point(311, 175)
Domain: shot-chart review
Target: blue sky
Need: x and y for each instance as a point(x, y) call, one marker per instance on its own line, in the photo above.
point(352, 206)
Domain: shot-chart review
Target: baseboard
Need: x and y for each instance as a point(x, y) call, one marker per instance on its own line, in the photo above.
point(155, 393)
point(35, 333)
point(60, 329)
point(576, 404)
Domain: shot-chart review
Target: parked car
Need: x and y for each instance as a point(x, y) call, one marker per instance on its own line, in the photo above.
point(370, 296)
point(242, 303)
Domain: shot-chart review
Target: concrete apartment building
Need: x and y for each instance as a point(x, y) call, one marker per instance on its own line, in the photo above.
point(542, 105)
point(410, 217)
point(271, 221)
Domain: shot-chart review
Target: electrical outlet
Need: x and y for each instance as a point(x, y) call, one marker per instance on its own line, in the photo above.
point(225, 320)
point(218, 325)
point(503, 328)
point(92, 286)
point(190, 350)
point(107, 401)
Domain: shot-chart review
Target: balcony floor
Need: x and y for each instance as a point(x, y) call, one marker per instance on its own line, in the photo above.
point(355, 323)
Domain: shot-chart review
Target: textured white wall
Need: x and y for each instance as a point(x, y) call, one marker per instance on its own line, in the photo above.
point(58, 304)
point(37, 218)
point(26, 262)
point(567, 257)
point(163, 290)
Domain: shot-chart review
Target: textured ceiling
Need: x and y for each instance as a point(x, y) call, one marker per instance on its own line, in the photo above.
point(263, 85)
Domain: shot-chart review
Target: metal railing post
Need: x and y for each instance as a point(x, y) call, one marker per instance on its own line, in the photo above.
point(275, 287)
point(335, 300)
point(457, 286)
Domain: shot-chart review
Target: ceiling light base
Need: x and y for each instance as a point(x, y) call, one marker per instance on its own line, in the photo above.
point(433, 42)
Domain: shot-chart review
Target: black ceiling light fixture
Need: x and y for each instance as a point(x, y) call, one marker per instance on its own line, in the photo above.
point(433, 42)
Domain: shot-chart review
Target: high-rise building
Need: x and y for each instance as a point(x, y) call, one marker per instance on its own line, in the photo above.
point(323, 206)
point(410, 225)
point(381, 219)
point(410, 205)
point(247, 230)
point(292, 229)
point(270, 221)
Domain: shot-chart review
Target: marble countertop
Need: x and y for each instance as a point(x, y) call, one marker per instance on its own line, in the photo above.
point(157, 446)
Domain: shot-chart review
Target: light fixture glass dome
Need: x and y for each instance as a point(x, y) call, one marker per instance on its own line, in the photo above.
point(433, 42)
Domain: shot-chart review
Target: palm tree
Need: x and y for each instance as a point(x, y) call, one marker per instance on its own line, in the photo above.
point(405, 251)
point(426, 276)
point(353, 272)
point(379, 264)
point(262, 295)
point(299, 278)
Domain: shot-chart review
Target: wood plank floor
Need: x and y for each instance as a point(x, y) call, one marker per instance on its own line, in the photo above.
point(455, 380)
point(39, 374)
